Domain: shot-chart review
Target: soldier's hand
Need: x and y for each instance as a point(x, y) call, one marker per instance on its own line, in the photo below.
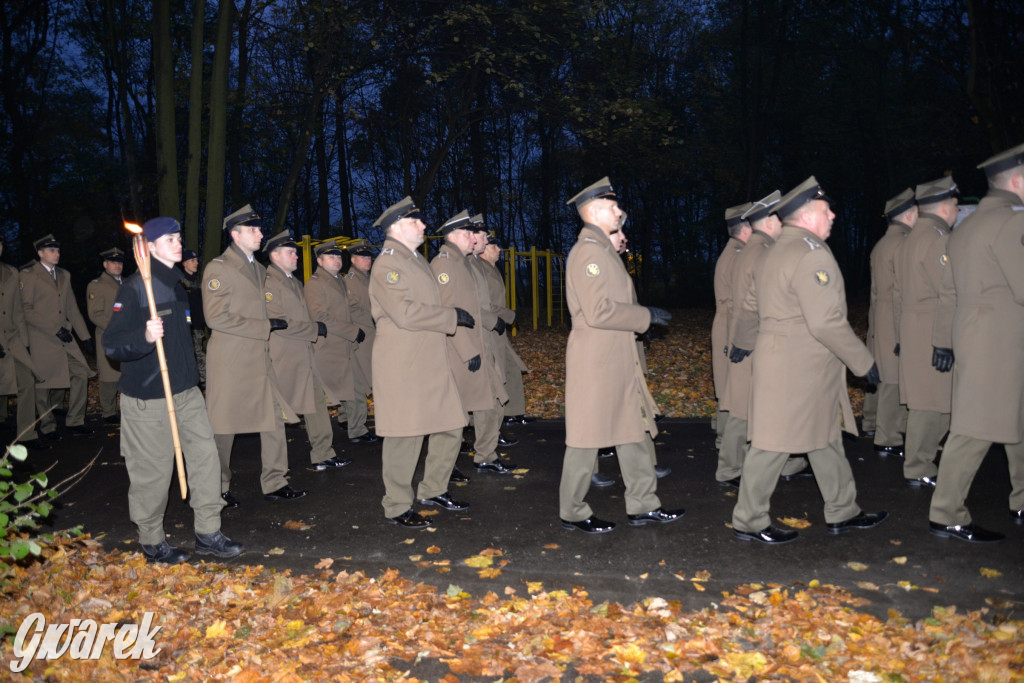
point(89, 345)
point(361, 336)
point(278, 324)
point(154, 329)
point(872, 377)
point(321, 329)
point(464, 318)
point(896, 349)
point(474, 363)
point(738, 354)
point(659, 316)
point(499, 326)
point(942, 359)
point(64, 335)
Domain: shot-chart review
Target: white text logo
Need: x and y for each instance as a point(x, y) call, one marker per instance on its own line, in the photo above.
point(82, 639)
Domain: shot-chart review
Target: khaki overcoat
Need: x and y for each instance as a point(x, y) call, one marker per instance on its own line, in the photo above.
point(13, 331)
point(881, 316)
point(327, 301)
point(723, 306)
point(358, 285)
point(240, 383)
point(496, 287)
point(606, 397)
point(459, 289)
point(291, 349)
point(743, 323)
point(798, 385)
point(490, 313)
point(986, 331)
point(100, 295)
point(414, 389)
point(49, 306)
point(920, 263)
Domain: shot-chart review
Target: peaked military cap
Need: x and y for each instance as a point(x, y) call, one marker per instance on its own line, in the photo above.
point(459, 221)
point(243, 215)
point(360, 248)
point(328, 247)
point(478, 223)
point(1003, 161)
point(493, 239)
point(47, 241)
point(601, 189)
point(189, 254)
point(900, 203)
point(116, 255)
point(807, 191)
point(936, 191)
point(734, 214)
point(395, 213)
point(762, 208)
point(281, 239)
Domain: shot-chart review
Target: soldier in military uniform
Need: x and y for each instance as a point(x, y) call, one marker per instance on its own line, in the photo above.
point(890, 416)
point(194, 289)
point(100, 295)
point(981, 325)
point(765, 228)
point(926, 391)
point(739, 233)
point(146, 442)
point(291, 351)
point(328, 302)
point(52, 313)
point(357, 285)
point(606, 395)
point(241, 388)
point(414, 389)
point(798, 384)
point(17, 371)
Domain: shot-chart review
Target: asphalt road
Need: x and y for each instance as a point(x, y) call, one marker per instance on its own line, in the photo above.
point(898, 565)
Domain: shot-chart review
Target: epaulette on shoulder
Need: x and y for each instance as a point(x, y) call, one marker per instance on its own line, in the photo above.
point(26, 267)
point(939, 229)
point(591, 239)
point(443, 254)
point(388, 250)
point(812, 244)
point(217, 260)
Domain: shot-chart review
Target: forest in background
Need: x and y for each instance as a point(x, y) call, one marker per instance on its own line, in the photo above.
point(322, 113)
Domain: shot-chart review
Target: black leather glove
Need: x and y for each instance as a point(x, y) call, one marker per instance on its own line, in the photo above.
point(474, 363)
point(872, 377)
point(361, 336)
point(89, 345)
point(464, 318)
point(278, 324)
point(738, 354)
point(64, 335)
point(942, 359)
point(499, 326)
point(659, 316)
point(896, 349)
point(321, 329)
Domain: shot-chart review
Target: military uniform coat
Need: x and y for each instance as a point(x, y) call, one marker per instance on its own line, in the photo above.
point(414, 389)
point(13, 331)
point(100, 296)
point(327, 301)
point(291, 349)
point(986, 331)
point(496, 287)
point(881, 316)
point(606, 397)
point(723, 307)
point(490, 313)
point(921, 261)
point(798, 386)
point(241, 387)
point(458, 287)
point(358, 285)
point(49, 306)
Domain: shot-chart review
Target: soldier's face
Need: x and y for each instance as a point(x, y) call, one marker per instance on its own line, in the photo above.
point(329, 262)
point(286, 258)
point(618, 238)
point(113, 268)
point(191, 266)
point(50, 256)
point(248, 238)
point(166, 248)
point(463, 240)
point(409, 231)
point(820, 216)
point(491, 253)
point(363, 263)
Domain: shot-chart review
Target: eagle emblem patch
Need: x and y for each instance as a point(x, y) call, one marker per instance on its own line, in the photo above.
point(943, 260)
point(593, 270)
point(821, 277)
point(213, 285)
point(443, 278)
point(392, 277)
point(269, 296)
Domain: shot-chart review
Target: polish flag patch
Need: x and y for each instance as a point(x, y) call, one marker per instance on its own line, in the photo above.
point(117, 306)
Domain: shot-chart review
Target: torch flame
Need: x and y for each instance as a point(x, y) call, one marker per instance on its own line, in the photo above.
point(133, 228)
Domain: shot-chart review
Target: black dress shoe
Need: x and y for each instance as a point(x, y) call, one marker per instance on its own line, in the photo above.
point(80, 430)
point(805, 473)
point(445, 501)
point(659, 515)
point(865, 520)
point(590, 525)
point(659, 418)
point(218, 545)
point(36, 445)
point(767, 535)
point(661, 471)
point(922, 482)
point(1017, 516)
point(331, 463)
point(465, 449)
point(505, 443)
point(868, 432)
point(286, 492)
point(411, 519)
point(230, 502)
point(970, 532)
point(368, 437)
point(517, 420)
point(600, 480)
point(112, 419)
point(457, 476)
point(496, 466)
point(165, 553)
point(52, 437)
point(606, 452)
point(733, 483)
point(886, 451)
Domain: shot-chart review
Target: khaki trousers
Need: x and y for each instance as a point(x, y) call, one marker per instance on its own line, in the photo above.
point(925, 429)
point(273, 456)
point(961, 459)
point(514, 387)
point(148, 451)
point(761, 472)
point(892, 416)
point(26, 401)
point(319, 429)
point(735, 448)
point(487, 428)
point(870, 421)
point(108, 398)
point(718, 424)
point(637, 466)
point(400, 456)
point(45, 398)
point(355, 411)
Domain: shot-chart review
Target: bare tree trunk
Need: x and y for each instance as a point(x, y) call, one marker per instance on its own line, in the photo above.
point(195, 128)
point(299, 158)
point(323, 202)
point(163, 78)
point(344, 181)
point(218, 131)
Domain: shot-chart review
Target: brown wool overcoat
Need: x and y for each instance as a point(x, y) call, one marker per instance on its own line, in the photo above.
point(49, 306)
point(881, 319)
point(496, 287)
point(100, 296)
point(358, 285)
point(291, 349)
point(723, 306)
point(327, 300)
point(13, 330)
